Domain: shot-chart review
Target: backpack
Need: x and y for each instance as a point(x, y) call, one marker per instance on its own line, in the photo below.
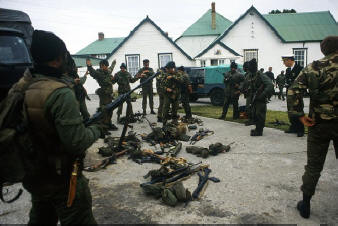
point(14, 137)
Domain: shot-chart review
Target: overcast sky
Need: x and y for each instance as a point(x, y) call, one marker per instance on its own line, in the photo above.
point(78, 22)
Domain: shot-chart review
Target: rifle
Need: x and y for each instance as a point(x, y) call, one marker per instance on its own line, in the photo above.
point(202, 182)
point(117, 102)
point(259, 90)
point(200, 135)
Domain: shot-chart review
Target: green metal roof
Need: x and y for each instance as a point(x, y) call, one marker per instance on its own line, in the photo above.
point(203, 25)
point(311, 26)
point(80, 61)
point(105, 46)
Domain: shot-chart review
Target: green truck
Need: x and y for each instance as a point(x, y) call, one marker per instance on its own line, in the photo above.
point(208, 82)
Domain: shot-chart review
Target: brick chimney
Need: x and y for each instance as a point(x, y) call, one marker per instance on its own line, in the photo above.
point(101, 35)
point(213, 16)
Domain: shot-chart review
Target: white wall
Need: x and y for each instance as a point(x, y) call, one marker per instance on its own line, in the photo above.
point(195, 44)
point(210, 54)
point(270, 47)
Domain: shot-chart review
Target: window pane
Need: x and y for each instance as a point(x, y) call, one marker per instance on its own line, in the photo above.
point(164, 59)
point(133, 64)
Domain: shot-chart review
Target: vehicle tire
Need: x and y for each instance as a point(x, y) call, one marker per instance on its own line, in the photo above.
point(217, 97)
point(193, 98)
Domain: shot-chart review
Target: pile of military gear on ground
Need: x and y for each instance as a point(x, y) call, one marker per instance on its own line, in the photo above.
point(214, 149)
point(192, 120)
point(279, 123)
point(133, 118)
point(166, 182)
point(168, 133)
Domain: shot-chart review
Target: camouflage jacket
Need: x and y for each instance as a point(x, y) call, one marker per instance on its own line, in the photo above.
point(280, 80)
point(185, 83)
point(233, 83)
point(261, 86)
point(159, 79)
point(149, 73)
point(104, 79)
point(123, 79)
point(173, 83)
point(320, 78)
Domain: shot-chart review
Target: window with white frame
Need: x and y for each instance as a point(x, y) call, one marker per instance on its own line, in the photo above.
point(214, 62)
point(300, 56)
point(133, 63)
point(221, 61)
point(164, 58)
point(249, 54)
point(203, 63)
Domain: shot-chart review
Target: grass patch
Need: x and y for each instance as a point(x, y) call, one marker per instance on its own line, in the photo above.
point(215, 112)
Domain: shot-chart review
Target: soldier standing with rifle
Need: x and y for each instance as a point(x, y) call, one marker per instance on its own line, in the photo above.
point(160, 92)
point(171, 84)
point(123, 78)
point(292, 71)
point(147, 89)
point(233, 82)
point(280, 82)
point(59, 138)
point(321, 80)
point(105, 92)
point(186, 89)
point(262, 88)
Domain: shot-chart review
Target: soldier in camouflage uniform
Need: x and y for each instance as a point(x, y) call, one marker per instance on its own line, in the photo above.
point(171, 84)
point(291, 73)
point(186, 89)
point(280, 83)
point(160, 92)
point(105, 92)
point(233, 82)
point(262, 88)
point(320, 78)
point(123, 78)
point(59, 137)
point(147, 89)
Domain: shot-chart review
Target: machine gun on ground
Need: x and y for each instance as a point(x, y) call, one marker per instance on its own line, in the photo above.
point(200, 135)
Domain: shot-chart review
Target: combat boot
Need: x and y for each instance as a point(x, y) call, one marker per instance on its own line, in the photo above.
point(304, 206)
point(255, 133)
point(152, 112)
point(112, 127)
point(222, 117)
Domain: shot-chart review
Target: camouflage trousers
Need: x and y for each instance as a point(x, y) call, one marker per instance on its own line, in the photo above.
point(231, 100)
point(147, 92)
point(104, 100)
point(48, 209)
point(167, 101)
point(318, 141)
point(247, 106)
point(186, 104)
point(259, 115)
point(281, 94)
point(160, 106)
point(129, 107)
point(83, 109)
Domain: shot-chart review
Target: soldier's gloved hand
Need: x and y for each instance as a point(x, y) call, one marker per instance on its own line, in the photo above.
point(103, 129)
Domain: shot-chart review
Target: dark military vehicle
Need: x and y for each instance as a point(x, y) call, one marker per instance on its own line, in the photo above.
point(208, 82)
point(15, 39)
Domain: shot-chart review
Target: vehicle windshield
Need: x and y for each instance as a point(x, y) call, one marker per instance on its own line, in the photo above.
point(197, 73)
point(13, 50)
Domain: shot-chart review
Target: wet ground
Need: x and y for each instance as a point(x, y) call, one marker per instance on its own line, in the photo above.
point(260, 180)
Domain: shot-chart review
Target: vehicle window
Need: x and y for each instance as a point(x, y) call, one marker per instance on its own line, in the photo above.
point(197, 73)
point(13, 50)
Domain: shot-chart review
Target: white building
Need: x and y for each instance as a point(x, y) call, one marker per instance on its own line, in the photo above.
point(268, 37)
point(145, 41)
